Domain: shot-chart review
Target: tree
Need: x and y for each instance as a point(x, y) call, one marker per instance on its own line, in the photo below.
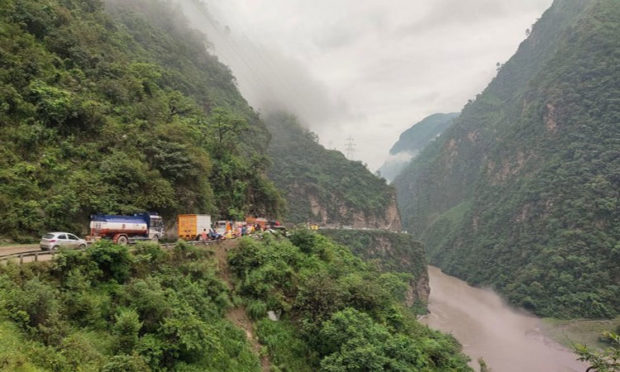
point(607, 360)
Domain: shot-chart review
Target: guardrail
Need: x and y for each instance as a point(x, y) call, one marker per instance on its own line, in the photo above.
point(38, 253)
point(22, 255)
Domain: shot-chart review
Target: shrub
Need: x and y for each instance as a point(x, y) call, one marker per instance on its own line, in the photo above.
point(126, 327)
point(256, 309)
point(113, 260)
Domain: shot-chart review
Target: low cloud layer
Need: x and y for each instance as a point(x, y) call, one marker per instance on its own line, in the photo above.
point(363, 68)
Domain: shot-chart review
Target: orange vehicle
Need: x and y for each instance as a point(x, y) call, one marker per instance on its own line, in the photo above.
point(262, 222)
point(190, 226)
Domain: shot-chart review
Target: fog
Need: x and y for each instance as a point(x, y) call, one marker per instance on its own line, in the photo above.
point(507, 339)
point(363, 68)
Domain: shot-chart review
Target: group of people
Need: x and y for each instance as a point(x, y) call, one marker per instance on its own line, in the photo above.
point(241, 230)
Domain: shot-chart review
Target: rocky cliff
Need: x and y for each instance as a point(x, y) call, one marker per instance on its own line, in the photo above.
point(521, 193)
point(395, 252)
point(322, 186)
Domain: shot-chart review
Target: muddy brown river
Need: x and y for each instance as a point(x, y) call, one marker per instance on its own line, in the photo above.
point(507, 339)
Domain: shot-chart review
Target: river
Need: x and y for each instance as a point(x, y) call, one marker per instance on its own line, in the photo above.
point(507, 339)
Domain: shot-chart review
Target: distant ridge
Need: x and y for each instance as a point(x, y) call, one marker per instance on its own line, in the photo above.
point(521, 193)
point(412, 141)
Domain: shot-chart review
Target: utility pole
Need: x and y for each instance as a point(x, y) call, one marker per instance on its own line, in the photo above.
point(350, 148)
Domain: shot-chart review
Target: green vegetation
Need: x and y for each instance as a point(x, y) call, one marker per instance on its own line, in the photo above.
point(390, 252)
point(108, 309)
point(522, 192)
point(580, 331)
point(337, 313)
point(420, 134)
point(119, 110)
point(413, 140)
point(607, 360)
point(310, 173)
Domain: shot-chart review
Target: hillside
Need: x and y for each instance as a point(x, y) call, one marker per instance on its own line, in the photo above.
point(336, 312)
point(412, 141)
point(183, 309)
point(391, 252)
point(522, 192)
point(119, 109)
point(321, 185)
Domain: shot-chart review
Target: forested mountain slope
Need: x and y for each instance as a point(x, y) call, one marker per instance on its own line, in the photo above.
point(321, 185)
point(522, 192)
point(118, 109)
point(151, 309)
point(412, 141)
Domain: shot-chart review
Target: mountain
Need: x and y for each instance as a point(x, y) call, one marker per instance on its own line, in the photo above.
point(391, 252)
point(119, 109)
point(109, 308)
point(412, 141)
point(521, 193)
point(321, 185)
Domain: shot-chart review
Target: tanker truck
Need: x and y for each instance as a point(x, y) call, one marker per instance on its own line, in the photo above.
point(127, 229)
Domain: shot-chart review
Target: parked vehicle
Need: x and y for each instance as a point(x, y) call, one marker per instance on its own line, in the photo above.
point(127, 229)
point(54, 240)
point(191, 226)
point(221, 227)
point(257, 221)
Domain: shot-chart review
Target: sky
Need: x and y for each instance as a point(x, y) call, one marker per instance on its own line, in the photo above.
point(365, 69)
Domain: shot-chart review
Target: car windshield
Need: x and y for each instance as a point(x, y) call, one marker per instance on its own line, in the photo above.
point(48, 236)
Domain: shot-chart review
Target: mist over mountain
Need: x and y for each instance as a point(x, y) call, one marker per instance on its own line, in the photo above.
point(521, 193)
point(412, 141)
point(361, 69)
point(268, 79)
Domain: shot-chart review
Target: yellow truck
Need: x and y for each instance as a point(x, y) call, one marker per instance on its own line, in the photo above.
point(191, 226)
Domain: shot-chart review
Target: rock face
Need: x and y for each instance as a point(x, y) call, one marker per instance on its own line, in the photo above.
point(396, 252)
point(521, 192)
point(322, 186)
point(418, 291)
point(337, 214)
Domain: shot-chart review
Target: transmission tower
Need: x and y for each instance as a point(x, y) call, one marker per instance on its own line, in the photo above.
point(350, 147)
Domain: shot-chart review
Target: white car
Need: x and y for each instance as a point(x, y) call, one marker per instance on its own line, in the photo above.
point(55, 240)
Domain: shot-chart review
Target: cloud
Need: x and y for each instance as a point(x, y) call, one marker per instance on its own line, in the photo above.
point(364, 68)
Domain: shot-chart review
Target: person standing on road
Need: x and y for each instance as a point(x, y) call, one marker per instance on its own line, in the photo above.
point(203, 235)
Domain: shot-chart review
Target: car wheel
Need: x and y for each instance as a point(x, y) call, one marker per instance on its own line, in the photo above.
point(54, 248)
point(155, 239)
point(82, 246)
point(122, 240)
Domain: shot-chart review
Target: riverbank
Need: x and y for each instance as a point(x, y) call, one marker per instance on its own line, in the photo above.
point(582, 331)
point(508, 339)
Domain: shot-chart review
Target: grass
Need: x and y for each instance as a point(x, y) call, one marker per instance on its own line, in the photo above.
point(11, 350)
point(582, 331)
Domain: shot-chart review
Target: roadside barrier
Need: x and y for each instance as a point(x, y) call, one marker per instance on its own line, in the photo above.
point(38, 253)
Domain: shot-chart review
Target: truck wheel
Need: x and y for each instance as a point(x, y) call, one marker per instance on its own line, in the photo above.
point(122, 240)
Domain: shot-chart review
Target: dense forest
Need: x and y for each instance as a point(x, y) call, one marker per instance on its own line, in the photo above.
point(521, 193)
point(111, 309)
point(321, 185)
point(337, 313)
point(412, 141)
point(392, 252)
point(119, 109)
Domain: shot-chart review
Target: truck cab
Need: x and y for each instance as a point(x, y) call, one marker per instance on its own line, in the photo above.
point(156, 227)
